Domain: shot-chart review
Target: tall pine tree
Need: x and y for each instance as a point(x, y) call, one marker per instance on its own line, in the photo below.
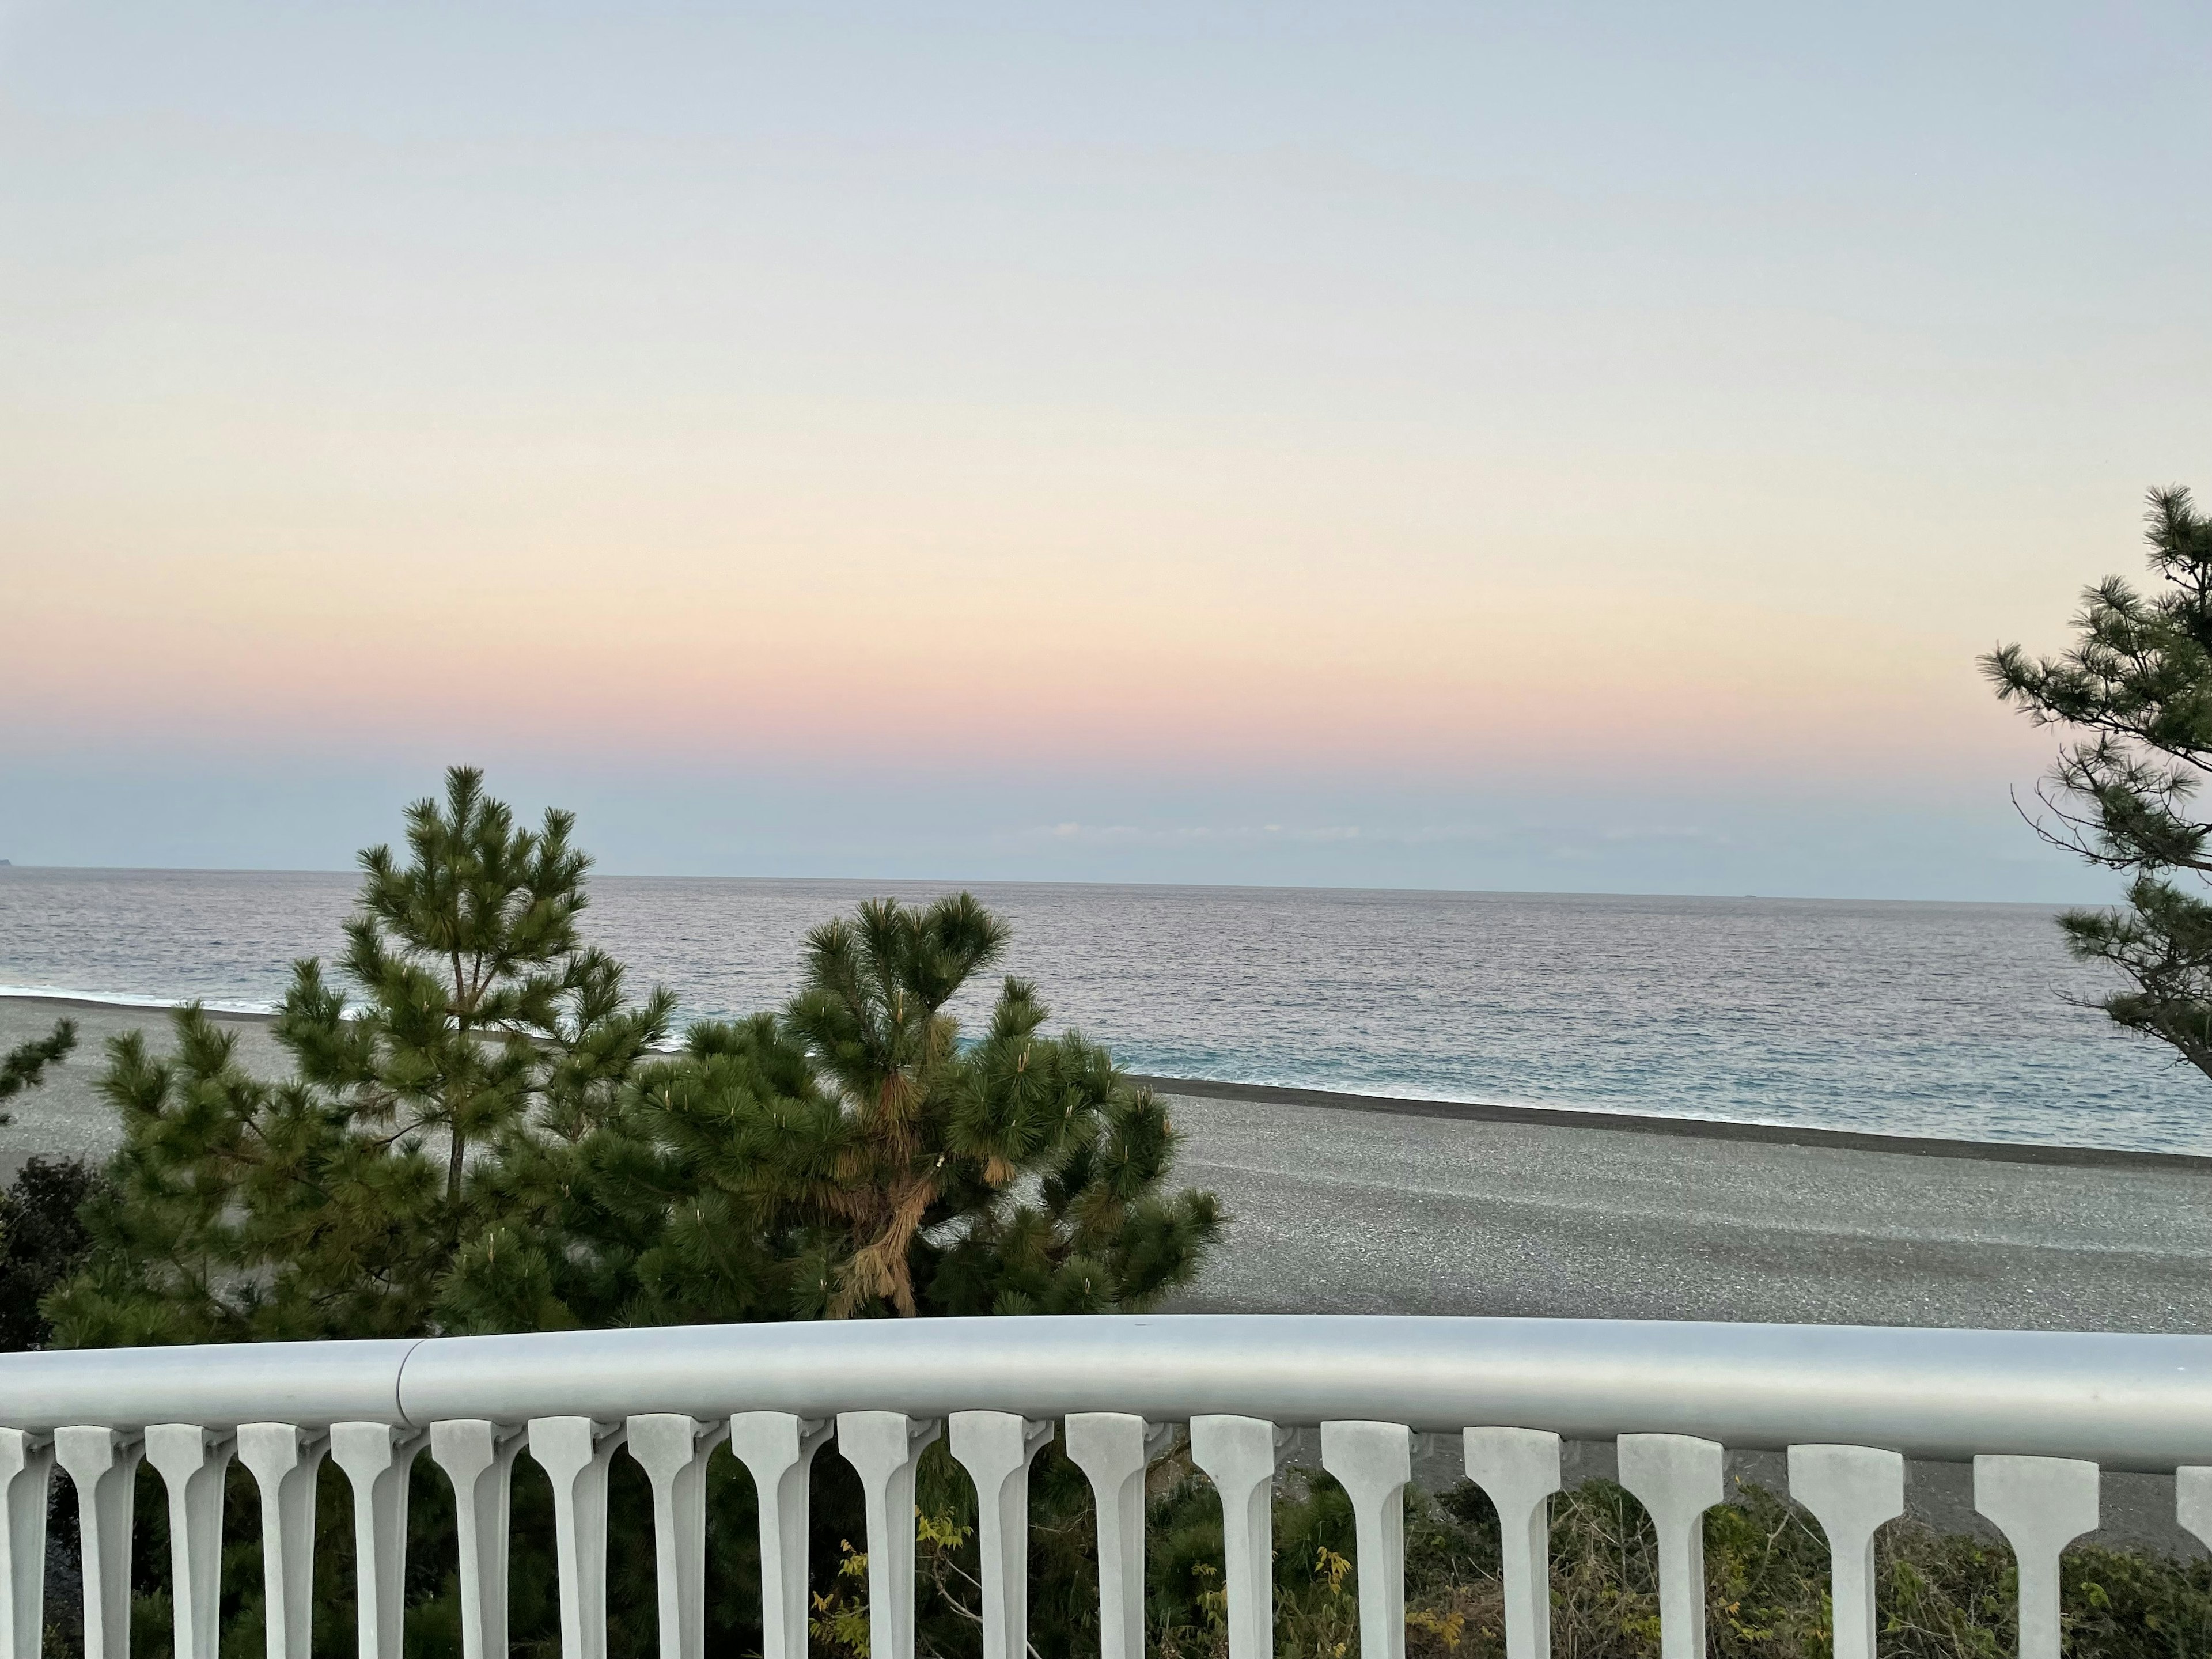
point(333, 1203)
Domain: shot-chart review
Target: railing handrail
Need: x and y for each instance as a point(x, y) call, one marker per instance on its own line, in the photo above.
point(2125, 1401)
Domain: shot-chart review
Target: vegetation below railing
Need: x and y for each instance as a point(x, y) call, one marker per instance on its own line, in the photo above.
point(1939, 1596)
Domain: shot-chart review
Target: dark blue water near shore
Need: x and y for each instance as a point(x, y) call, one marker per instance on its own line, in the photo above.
point(1934, 1019)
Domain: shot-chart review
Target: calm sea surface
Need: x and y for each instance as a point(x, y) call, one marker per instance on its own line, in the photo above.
point(1934, 1019)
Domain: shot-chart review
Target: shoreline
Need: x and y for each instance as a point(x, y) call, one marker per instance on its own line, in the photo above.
point(1692, 1129)
point(56, 1000)
point(1564, 1118)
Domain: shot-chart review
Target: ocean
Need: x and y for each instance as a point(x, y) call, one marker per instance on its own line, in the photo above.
point(1960, 1020)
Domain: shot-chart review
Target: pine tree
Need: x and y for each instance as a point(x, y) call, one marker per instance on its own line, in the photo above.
point(476, 989)
point(908, 1131)
point(333, 1203)
point(852, 1156)
point(2136, 685)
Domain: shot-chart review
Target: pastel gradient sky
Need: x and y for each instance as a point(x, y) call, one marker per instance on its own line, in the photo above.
point(1560, 447)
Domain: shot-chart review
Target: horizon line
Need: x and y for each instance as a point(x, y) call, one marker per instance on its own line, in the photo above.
point(959, 882)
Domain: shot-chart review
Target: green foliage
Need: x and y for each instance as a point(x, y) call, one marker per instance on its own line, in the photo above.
point(2137, 686)
point(482, 1132)
point(1938, 1596)
point(42, 1241)
point(335, 1203)
point(24, 1066)
point(851, 1157)
point(483, 1014)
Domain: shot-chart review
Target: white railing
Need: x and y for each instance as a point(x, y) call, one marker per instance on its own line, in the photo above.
point(2037, 1412)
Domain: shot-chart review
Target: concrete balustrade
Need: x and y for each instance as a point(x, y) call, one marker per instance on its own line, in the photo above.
point(2039, 1412)
point(1518, 1469)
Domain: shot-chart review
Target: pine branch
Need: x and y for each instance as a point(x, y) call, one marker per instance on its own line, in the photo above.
point(24, 1066)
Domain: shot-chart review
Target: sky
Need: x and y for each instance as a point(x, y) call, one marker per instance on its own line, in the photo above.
point(1552, 447)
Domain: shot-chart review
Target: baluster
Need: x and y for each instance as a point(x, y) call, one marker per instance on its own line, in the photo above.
point(1851, 1491)
point(378, 1459)
point(194, 1463)
point(285, 1459)
point(884, 1447)
point(1238, 1454)
point(1372, 1462)
point(103, 1463)
point(478, 1457)
point(27, 1471)
point(575, 1452)
point(2192, 1500)
point(1115, 1450)
point(1520, 1470)
point(997, 1448)
point(2041, 1505)
point(1677, 1478)
point(778, 1450)
point(674, 1450)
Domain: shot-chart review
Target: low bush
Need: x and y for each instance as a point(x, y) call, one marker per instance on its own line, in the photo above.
point(1938, 1595)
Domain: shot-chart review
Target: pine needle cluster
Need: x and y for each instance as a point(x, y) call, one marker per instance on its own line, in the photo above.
point(24, 1066)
